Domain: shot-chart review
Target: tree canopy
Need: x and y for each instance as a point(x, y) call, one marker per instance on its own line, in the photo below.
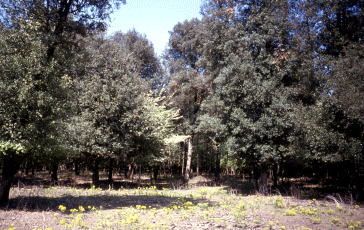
point(252, 85)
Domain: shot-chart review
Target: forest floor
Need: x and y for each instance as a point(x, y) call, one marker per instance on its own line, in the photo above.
point(167, 204)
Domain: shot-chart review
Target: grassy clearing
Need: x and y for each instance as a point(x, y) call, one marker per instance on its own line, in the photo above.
point(200, 207)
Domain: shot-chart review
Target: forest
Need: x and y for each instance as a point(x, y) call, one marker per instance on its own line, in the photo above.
point(266, 90)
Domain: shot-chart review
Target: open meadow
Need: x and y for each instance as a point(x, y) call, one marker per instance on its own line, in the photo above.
point(170, 206)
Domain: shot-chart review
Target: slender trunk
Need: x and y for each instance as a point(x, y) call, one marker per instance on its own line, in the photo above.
point(250, 173)
point(155, 172)
point(77, 167)
point(132, 175)
point(54, 176)
point(151, 173)
point(9, 170)
point(256, 176)
point(198, 163)
point(27, 167)
point(217, 166)
point(275, 175)
point(95, 172)
point(127, 169)
point(280, 172)
point(263, 179)
point(183, 159)
point(189, 158)
point(217, 162)
point(111, 167)
point(140, 174)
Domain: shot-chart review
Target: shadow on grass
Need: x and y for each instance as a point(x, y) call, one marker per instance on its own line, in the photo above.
point(105, 199)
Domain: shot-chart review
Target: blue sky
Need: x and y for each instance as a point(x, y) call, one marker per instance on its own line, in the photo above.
point(154, 18)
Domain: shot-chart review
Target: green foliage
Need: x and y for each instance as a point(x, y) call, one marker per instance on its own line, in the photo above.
point(346, 81)
point(252, 82)
point(271, 81)
point(117, 116)
point(40, 53)
point(186, 85)
point(141, 53)
point(248, 96)
point(8, 149)
point(33, 95)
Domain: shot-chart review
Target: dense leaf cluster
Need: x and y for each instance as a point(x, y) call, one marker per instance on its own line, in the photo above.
point(273, 83)
point(251, 86)
point(68, 91)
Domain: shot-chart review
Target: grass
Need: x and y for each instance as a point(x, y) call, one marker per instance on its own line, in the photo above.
point(147, 208)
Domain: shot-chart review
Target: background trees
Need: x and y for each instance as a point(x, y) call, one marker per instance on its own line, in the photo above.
point(39, 41)
point(271, 77)
point(258, 85)
point(117, 115)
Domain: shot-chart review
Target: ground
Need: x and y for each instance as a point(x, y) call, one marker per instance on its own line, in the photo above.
point(232, 204)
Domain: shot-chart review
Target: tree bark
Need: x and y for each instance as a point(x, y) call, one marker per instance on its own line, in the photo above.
point(183, 158)
point(256, 176)
point(132, 175)
point(111, 167)
point(27, 167)
point(54, 176)
point(198, 164)
point(77, 167)
point(217, 166)
point(127, 170)
point(95, 172)
point(217, 163)
point(155, 172)
point(10, 168)
point(189, 158)
point(275, 175)
point(140, 174)
point(263, 179)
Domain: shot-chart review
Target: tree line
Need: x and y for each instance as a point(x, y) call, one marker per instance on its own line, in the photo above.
point(254, 86)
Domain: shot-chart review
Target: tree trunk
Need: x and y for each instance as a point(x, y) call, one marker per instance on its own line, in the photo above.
point(256, 176)
point(77, 167)
point(280, 172)
point(95, 172)
point(217, 166)
point(127, 169)
point(275, 175)
point(263, 179)
point(250, 173)
point(189, 158)
point(198, 163)
point(9, 170)
point(5, 186)
point(111, 167)
point(155, 172)
point(217, 163)
point(140, 174)
point(27, 167)
point(132, 175)
point(183, 159)
point(54, 176)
